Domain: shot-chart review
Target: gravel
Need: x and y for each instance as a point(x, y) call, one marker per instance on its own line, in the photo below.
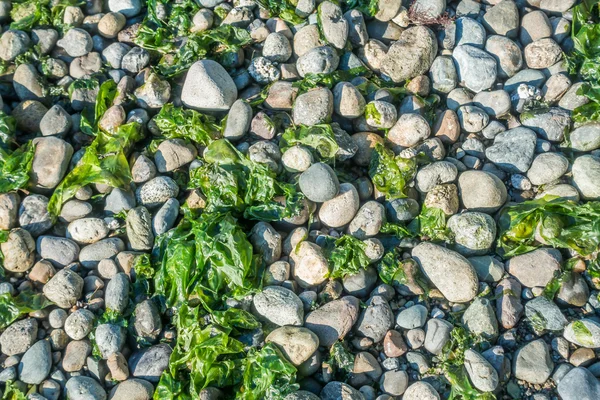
point(330, 189)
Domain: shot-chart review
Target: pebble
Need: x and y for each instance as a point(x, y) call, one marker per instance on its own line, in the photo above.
point(333, 320)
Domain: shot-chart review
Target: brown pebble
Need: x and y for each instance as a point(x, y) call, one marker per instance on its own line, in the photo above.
point(447, 127)
point(42, 271)
point(117, 364)
point(582, 357)
point(393, 344)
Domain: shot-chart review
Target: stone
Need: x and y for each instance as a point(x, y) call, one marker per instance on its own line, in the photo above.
point(542, 53)
point(502, 19)
point(508, 306)
point(339, 390)
point(296, 343)
point(375, 320)
point(333, 320)
point(36, 363)
point(450, 272)
point(84, 388)
point(278, 305)
point(156, 191)
point(208, 87)
point(584, 333)
point(110, 339)
point(76, 42)
point(535, 268)
point(551, 125)
point(480, 371)
point(544, 315)
point(547, 168)
point(421, 390)
point(332, 24)
point(34, 216)
point(87, 230)
point(585, 138)
point(18, 337)
point(476, 68)
point(586, 175)
point(409, 130)
point(411, 55)
point(79, 324)
point(92, 254)
point(133, 389)
point(313, 107)
point(64, 288)
point(437, 334)
point(18, 251)
point(317, 60)
point(116, 297)
point(75, 355)
point(578, 383)
point(341, 209)
point(474, 232)
point(149, 363)
point(480, 319)
point(532, 362)
point(513, 150)
point(508, 56)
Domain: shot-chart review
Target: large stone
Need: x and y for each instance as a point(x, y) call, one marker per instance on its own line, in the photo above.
point(476, 68)
point(411, 55)
point(208, 87)
point(535, 268)
point(532, 362)
point(586, 176)
point(333, 320)
point(450, 272)
point(296, 343)
point(579, 384)
point(279, 306)
point(513, 150)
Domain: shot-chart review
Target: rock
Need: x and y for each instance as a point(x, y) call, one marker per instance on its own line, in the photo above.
point(434, 174)
point(64, 288)
point(394, 383)
point(156, 192)
point(208, 87)
point(586, 176)
point(585, 333)
point(585, 138)
point(79, 324)
point(56, 122)
point(333, 320)
point(18, 251)
point(36, 363)
point(513, 150)
point(341, 209)
point(530, 77)
point(317, 60)
point(437, 335)
point(339, 390)
point(296, 343)
point(13, 43)
point(550, 125)
point(532, 362)
point(571, 99)
point(488, 268)
point(508, 306)
point(495, 103)
point(332, 24)
point(380, 114)
point(472, 119)
point(502, 19)
point(110, 339)
point(535, 268)
point(476, 68)
point(474, 232)
point(469, 31)
point(421, 390)
point(266, 241)
point(263, 71)
point(84, 388)
point(440, 264)
point(319, 183)
point(535, 25)
point(150, 362)
point(480, 371)
point(87, 230)
point(313, 107)
point(574, 291)
point(26, 83)
point(34, 216)
point(310, 265)
point(481, 191)
point(146, 321)
point(444, 197)
point(18, 337)
point(116, 297)
point(92, 254)
point(547, 168)
point(443, 74)
point(411, 55)
point(133, 389)
point(28, 115)
point(578, 383)
point(347, 101)
point(375, 320)
point(542, 53)
point(412, 317)
point(76, 42)
point(238, 120)
point(409, 130)
point(447, 127)
point(507, 54)
point(544, 315)
point(480, 319)
point(165, 217)
point(278, 305)
point(139, 229)
point(75, 355)
point(9, 205)
point(367, 221)
point(393, 344)
point(431, 8)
